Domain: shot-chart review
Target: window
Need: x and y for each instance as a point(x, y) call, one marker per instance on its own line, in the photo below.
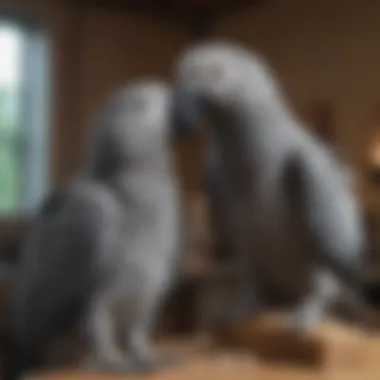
point(23, 117)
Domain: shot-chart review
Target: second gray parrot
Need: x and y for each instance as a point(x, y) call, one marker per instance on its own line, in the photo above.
point(288, 210)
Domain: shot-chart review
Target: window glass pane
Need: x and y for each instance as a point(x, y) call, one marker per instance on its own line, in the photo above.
point(10, 117)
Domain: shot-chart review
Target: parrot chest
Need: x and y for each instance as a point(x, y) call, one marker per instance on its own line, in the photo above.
point(279, 251)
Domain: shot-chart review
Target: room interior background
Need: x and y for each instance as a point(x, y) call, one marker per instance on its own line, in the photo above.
point(326, 54)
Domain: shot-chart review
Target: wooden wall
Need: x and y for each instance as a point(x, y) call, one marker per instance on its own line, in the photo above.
point(93, 51)
point(321, 50)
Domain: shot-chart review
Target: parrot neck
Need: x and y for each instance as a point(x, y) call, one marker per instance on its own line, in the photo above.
point(252, 131)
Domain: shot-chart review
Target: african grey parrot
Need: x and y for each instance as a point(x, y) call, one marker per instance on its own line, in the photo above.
point(290, 215)
point(110, 245)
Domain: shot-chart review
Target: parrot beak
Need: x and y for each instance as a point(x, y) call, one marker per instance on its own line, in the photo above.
point(186, 112)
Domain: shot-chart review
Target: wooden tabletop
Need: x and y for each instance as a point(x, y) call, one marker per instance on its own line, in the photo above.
point(263, 350)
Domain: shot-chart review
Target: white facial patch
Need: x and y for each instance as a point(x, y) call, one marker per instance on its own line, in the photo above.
point(217, 80)
point(202, 72)
point(213, 71)
point(221, 81)
point(148, 111)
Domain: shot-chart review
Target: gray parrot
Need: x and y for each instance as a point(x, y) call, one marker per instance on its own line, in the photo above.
point(290, 216)
point(108, 243)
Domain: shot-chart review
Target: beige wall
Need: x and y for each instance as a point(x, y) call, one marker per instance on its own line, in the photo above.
point(321, 49)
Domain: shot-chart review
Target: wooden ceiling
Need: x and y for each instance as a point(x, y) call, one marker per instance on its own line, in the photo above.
point(177, 8)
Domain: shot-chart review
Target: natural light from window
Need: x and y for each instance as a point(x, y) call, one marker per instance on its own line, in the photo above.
point(10, 118)
point(10, 41)
point(24, 116)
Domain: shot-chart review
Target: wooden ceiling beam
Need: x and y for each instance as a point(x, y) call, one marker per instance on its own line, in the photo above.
point(174, 10)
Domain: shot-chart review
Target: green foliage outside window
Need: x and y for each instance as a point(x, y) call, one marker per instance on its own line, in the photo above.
point(10, 169)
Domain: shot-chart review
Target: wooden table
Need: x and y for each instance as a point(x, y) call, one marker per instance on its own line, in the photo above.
point(261, 349)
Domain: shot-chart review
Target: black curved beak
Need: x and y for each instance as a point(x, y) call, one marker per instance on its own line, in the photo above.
point(186, 112)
